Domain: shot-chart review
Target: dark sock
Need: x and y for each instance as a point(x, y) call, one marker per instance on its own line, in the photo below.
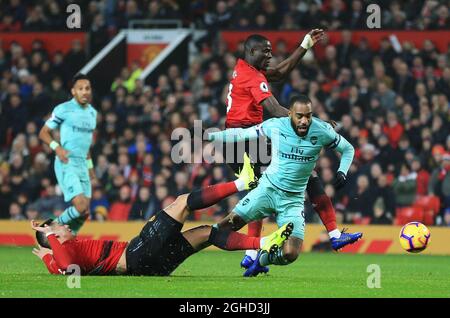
point(276, 258)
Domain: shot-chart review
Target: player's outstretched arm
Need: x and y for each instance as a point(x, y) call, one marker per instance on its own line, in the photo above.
point(232, 135)
point(274, 108)
point(280, 71)
point(347, 151)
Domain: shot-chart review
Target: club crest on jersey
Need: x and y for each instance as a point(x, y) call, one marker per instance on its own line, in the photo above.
point(314, 140)
point(234, 74)
point(263, 87)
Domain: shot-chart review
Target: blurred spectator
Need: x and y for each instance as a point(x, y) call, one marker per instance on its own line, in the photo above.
point(440, 181)
point(360, 206)
point(423, 177)
point(98, 35)
point(141, 207)
point(99, 203)
point(384, 205)
point(405, 186)
point(120, 209)
point(15, 212)
point(75, 59)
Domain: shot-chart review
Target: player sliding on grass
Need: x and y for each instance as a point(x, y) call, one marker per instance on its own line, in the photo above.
point(248, 95)
point(160, 247)
point(76, 120)
point(296, 144)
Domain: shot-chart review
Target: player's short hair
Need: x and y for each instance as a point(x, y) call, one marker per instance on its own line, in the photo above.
point(253, 40)
point(302, 99)
point(41, 237)
point(78, 77)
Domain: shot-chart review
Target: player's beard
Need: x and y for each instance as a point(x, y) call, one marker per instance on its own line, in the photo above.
point(295, 127)
point(84, 100)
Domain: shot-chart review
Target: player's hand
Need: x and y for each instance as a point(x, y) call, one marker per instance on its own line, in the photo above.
point(41, 251)
point(332, 123)
point(62, 154)
point(339, 180)
point(316, 35)
point(35, 226)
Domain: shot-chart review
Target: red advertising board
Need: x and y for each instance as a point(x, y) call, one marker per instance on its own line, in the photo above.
point(441, 39)
point(57, 41)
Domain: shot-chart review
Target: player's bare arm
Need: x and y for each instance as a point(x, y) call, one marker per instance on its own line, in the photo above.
point(45, 134)
point(90, 165)
point(280, 71)
point(273, 107)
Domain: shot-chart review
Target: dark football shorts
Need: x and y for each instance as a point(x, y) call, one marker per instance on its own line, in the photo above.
point(159, 249)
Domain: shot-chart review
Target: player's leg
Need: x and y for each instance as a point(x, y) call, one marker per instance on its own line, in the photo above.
point(289, 207)
point(256, 205)
point(76, 224)
point(211, 195)
point(145, 252)
point(324, 208)
point(255, 227)
point(71, 185)
point(322, 204)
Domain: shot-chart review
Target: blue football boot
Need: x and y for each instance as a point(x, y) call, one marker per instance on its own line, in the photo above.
point(345, 239)
point(256, 268)
point(247, 261)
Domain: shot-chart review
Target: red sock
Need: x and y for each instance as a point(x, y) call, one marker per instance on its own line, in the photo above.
point(211, 195)
point(254, 228)
point(323, 206)
point(238, 241)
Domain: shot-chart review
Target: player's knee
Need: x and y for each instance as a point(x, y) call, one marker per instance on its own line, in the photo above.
point(232, 222)
point(182, 200)
point(204, 232)
point(292, 251)
point(291, 256)
point(82, 205)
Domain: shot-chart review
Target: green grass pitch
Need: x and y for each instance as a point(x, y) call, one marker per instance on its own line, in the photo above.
point(217, 274)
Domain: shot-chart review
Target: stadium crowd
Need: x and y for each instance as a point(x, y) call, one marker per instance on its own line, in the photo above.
point(392, 106)
point(111, 15)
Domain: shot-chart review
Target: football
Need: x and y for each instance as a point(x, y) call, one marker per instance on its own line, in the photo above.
point(414, 237)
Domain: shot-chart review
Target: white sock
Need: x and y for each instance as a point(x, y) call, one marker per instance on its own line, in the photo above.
point(240, 185)
point(251, 253)
point(335, 233)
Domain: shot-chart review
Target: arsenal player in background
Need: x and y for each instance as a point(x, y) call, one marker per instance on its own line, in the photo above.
point(248, 95)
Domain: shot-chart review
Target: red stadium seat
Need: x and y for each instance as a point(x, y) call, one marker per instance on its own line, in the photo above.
point(430, 205)
point(409, 214)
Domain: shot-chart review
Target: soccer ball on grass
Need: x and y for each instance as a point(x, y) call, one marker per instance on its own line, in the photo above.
point(414, 237)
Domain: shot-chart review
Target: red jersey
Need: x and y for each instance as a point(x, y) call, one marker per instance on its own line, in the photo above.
point(248, 88)
point(98, 257)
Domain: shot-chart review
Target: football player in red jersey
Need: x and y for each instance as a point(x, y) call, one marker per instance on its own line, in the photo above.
point(160, 246)
point(248, 95)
